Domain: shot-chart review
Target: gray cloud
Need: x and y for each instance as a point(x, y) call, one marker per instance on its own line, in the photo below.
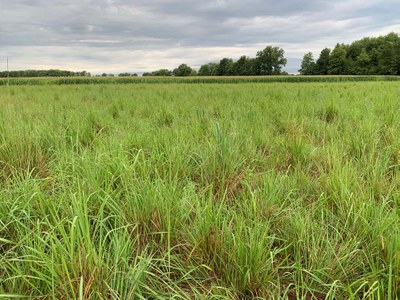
point(137, 36)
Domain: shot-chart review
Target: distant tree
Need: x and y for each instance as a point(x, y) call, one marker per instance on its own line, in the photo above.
point(161, 72)
point(362, 63)
point(308, 65)
point(389, 55)
point(126, 74)
point(338, 63)
point(209, 69)
point(225, 67)
point(370, 55)
point(83, 73)
point(350, 66)
point(374, 55)
point(182, 70)
point(322, 64)
point(270, 61)
point(244, 66)
point(43, 73)
point(104, 75)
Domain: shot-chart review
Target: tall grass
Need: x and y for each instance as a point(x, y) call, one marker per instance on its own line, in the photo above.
point(247, 191)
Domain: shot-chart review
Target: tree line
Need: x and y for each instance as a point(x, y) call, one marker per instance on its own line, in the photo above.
point(268, 61)
point(43, 73)
point(368, 56)
point(58, 73)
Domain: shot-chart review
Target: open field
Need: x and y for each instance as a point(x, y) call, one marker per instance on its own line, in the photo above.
point(200, 191)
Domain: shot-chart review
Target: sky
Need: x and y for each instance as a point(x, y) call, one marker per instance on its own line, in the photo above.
point(116, 36)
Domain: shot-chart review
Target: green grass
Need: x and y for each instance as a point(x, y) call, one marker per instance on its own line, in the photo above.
point(179, 191)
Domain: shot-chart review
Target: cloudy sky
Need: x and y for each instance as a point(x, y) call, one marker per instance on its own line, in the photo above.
point(143, 35)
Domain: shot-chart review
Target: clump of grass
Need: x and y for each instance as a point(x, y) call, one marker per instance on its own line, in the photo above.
point(329, 114)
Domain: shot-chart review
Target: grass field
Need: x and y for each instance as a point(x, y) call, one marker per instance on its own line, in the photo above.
point(200, 191)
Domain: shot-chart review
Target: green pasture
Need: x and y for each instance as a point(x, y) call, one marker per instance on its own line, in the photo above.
point(285, 190)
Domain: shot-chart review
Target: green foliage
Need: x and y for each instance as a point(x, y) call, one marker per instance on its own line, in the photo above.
point(362, 63)
point(42, 73)
point(308, 66)
point(389, 55)
point(245, 66)
point(183, 70)
point(209, 69)
point(338, 62)
point(322, 63)
point(161, 72)
point(225, 67)
point(208, 191)
point(378, 56)
point(270, 61)
point(126, 74)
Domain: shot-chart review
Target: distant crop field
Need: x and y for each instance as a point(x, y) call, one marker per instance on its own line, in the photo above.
point(200, 191)
point(192, 79)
